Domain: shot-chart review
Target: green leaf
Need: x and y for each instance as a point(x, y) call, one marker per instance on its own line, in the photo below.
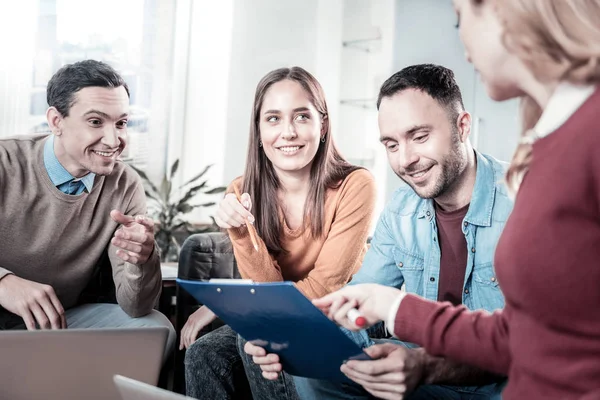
point(165, 189)
point(184, 208)
point(175, 227)
point(174, 168)
point(219, 189)
point(191, 192)
point(195, 178)
point(211, 203)
point(146, 180)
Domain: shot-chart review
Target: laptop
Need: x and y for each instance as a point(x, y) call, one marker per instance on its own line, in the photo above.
point(77, 363)
point(130, 389)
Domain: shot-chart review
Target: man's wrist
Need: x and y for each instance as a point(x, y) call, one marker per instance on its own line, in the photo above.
point(427, 364)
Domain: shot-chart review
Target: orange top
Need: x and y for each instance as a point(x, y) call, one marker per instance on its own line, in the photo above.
point(322, 265)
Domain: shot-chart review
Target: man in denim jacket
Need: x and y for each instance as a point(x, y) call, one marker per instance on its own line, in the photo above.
point(438, 234)
point(436, 237)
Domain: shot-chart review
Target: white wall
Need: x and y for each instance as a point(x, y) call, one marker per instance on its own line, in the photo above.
point(233, 44)
point(426, 33)
point(368, 25)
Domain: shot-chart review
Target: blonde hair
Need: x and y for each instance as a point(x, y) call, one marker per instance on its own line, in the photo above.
point(558, 40)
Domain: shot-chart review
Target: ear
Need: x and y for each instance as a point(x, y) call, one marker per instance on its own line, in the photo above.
point(55, 119)
point(463, 124)
point(323, 119)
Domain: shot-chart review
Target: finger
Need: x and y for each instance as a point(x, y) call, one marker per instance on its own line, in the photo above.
point(392, 378)
point(134, 258)
point(380, 350)
point(145, 221)
point(236, 207)
point(184, 343)
point(182, 336)
point(131, 258)
point(246, 201)
point(40, 316)
point(194, 333)
point(134, 236)
point(59, 309)
point(266, 360)
point(342, 313)
point(133, 247)
point(325, 301)
point(121, 218)
point(220, 223)
point(234, 212)
point(226, 214)
point(274, 367)
point(335, 306)
point(385, 395)
point(28, 319)
point(368, 367)
point(394, 388)
point(52, 315)
point(272, 376)
point(254, 350)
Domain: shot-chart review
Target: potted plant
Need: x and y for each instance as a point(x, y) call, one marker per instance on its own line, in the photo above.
point(168, 205)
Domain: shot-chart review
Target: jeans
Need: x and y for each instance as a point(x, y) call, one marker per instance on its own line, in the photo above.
point(319, 389)
point(216, 367)
point(90, 316)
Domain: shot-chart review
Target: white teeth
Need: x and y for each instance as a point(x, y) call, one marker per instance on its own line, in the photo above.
point(289, 149)
point(104, 154)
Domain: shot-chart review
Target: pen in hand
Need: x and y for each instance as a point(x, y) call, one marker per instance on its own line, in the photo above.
point(356, 317)
point(249, 225)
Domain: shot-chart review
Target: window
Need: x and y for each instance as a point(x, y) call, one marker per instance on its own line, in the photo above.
point(136, 37)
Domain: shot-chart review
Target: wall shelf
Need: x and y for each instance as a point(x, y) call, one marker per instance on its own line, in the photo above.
point(367, 45)
point(367, 104)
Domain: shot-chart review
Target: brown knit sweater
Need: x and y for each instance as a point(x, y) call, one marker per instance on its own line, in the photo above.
point(317, 265)
point(53, 238)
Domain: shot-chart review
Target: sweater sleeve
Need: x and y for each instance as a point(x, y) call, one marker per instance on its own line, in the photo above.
point(477, 338)
point(137, 286)
point(340, 255)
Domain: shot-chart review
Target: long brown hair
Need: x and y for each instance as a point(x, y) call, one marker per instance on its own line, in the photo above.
point(559, 40)
point(260, 180)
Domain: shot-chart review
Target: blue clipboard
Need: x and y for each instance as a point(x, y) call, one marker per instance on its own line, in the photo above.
point(282, 320)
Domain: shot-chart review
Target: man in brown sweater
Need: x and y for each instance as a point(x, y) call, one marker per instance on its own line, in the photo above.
point(70, 208)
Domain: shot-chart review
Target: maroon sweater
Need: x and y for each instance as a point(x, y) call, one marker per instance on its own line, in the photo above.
point(547, 338)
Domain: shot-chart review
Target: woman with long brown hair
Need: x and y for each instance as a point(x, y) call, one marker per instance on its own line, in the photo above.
point(547, 338)
point(311, 210)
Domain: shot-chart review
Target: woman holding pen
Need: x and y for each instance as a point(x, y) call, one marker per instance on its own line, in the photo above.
point(547, 338)
point(299, 213)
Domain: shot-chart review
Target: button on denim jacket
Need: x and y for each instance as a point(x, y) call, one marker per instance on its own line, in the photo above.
point(405, 248)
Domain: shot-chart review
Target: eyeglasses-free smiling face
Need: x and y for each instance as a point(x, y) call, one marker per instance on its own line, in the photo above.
point(290, 128)
point(94, 133)
point(423, 146)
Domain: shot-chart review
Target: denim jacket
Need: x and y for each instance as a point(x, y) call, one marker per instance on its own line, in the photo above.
point(405, 249)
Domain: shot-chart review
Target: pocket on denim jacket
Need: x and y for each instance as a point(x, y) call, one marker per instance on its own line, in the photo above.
point(412, 268)
point(485, 288)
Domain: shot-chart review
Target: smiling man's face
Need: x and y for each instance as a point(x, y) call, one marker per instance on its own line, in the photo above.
point(422, 144)
point(94, 133)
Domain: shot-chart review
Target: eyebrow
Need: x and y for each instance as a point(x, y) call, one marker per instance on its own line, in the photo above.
point(417, 128)
point(409, 133)
point(104, 115)
point(294, 110)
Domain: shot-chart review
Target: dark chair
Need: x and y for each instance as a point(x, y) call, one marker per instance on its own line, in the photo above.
point(202, 256)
